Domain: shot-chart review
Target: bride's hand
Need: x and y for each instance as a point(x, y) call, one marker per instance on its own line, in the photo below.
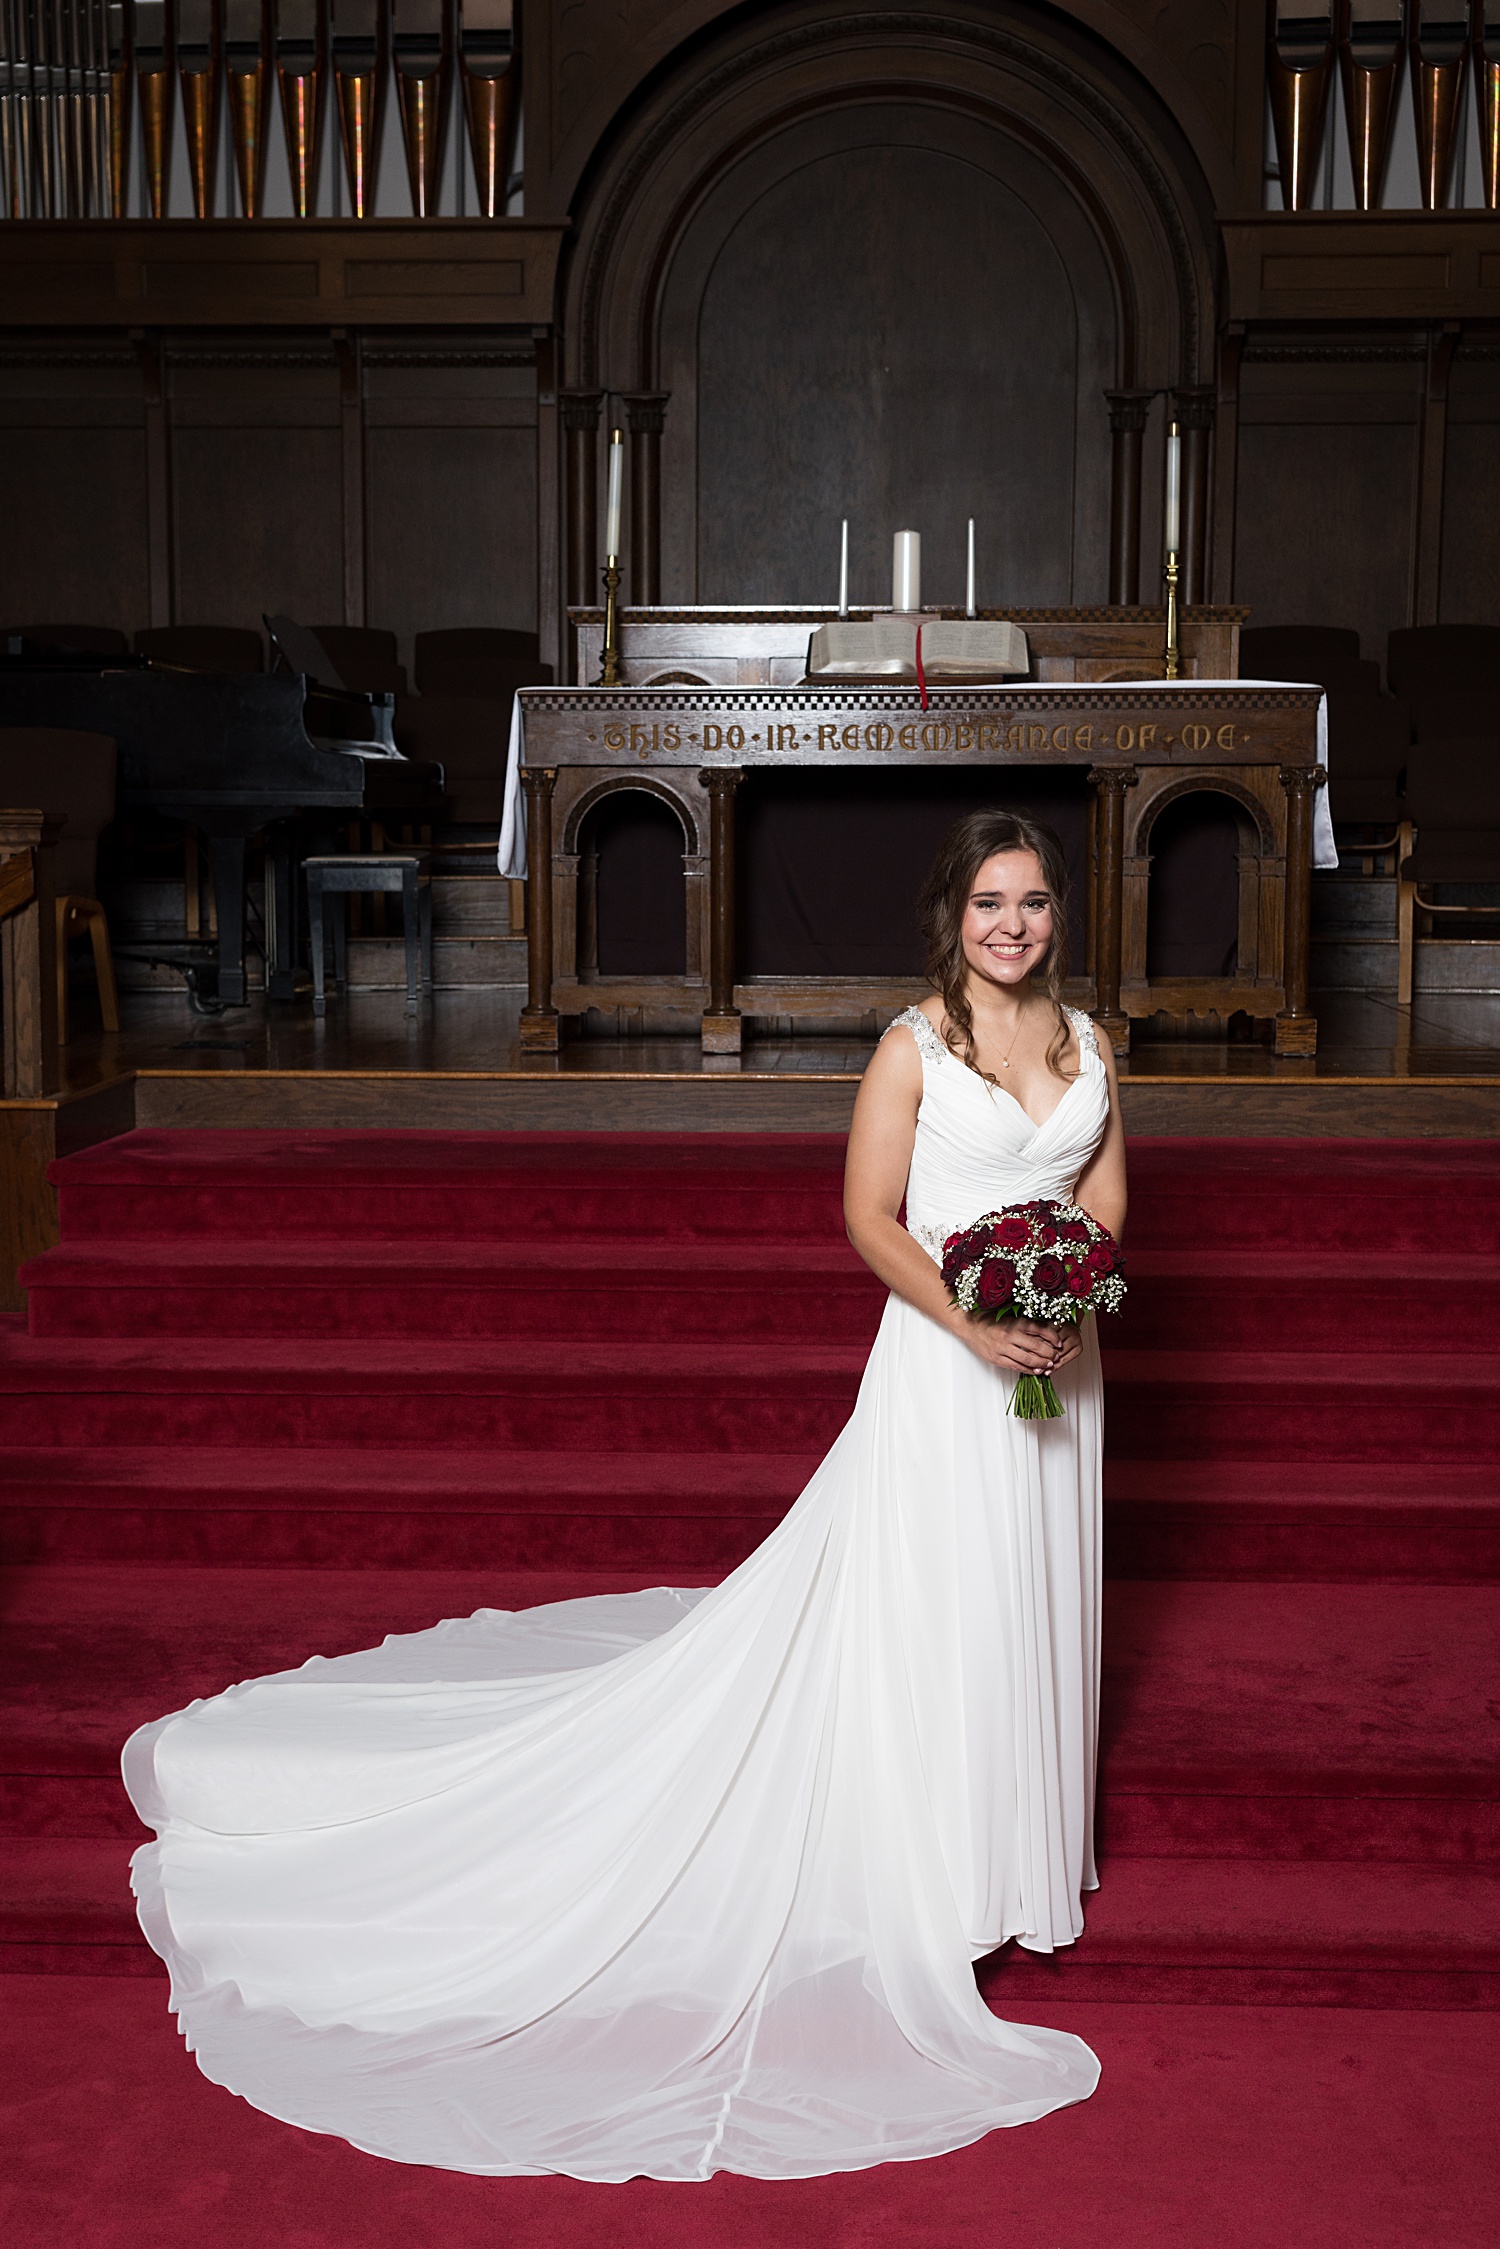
point(1024, 1346)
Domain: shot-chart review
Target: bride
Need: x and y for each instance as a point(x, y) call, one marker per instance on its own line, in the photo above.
point(679, 1882)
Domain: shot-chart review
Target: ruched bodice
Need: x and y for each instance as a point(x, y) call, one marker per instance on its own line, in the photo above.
point(976, 1147)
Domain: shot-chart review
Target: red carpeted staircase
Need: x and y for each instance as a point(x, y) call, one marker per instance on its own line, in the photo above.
point(284, 1392)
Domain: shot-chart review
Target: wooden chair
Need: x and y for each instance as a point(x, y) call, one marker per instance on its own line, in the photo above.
point(1425, 659)
point(1453, 803)
point(203, 648)
point(1328, 654)
point(88, 640)
point(478, 660)
point(72, 776)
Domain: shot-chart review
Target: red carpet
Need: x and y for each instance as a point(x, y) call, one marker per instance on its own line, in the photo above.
point(288, 1391)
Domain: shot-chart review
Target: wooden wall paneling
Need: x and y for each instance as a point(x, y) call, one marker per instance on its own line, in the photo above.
point(73, 470)
point(451, 488)
point(1226, 464)
point(584, 65)
point(158, 476)
point(1470, 580)
point(352, 475)
point(849, 293)
point(1362, 266)
point(1427, 529)
point(1022, 108)
point(549, 525)
point(1328, 451)
point(257, 488)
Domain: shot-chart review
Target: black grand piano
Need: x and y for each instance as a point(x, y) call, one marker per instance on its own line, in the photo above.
point(234, 755)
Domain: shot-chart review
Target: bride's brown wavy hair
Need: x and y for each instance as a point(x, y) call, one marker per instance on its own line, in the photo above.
point(944, 901)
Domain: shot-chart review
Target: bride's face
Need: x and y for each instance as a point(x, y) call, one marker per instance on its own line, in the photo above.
point(1008, 921)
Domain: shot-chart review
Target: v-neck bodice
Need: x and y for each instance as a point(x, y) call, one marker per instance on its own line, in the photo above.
point(977, 1149)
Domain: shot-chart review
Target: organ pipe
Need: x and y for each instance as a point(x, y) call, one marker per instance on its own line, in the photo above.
point(1299, 72)
point(118, 59)
point(489, 43)
point(301, 71)
point(153, 75)
point(1439, 56)
point(199, 45)
point(422, 53)
point(1372, 47)
point(358, 43)
point(247, 67)
point(1486, 44)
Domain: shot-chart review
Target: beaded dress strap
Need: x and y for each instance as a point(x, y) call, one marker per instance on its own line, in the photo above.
point(929, 1042)
point(1088, 1042)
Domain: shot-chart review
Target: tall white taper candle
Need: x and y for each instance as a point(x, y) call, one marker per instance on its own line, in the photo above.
point(612, 504)
point(969, 603)
point(1174, 490)
point(844, 570)
point(906, 571)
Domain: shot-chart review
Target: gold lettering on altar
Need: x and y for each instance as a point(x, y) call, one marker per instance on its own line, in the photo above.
point(975, 735)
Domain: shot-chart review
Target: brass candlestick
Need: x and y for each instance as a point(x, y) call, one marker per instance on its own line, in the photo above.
point(610, 674)
point(1172, 659)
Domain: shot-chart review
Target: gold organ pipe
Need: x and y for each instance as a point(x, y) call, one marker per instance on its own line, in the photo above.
point(1372, 49)
point(153, 74)
point(490, 60)
point(301, 71)
point(1439, 55)
point(247, 64)
point(1299, 73)
point(358, 43)
point(422, 51)
point(117, 28)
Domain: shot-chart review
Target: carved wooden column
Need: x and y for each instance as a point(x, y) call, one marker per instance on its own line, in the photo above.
point(1296, 1029)
point(1129, 412)
point(1110, 783)
point(539, 1021)
point(646, 412)
point(28, 961)
point(580, 419)
point(721, 1019)
point(1195, 418)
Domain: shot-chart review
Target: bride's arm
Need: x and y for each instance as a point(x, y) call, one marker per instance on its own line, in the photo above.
point(1101, 1186)
point(881, 1138)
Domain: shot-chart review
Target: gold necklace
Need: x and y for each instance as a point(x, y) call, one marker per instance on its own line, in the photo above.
point(1015, 1042)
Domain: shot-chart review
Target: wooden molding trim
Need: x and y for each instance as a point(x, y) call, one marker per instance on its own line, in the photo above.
point(1363, 265)
point(262, 273)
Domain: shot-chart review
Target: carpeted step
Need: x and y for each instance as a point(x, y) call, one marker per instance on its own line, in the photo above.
point(1351, 1722)
point(619, 1396)
point(607, 1396)
point(1319, 1194)
point(1327, 1407)
point(819, 1290)
point(66, 1909)
point(389, 1508)
point(1278, 1520)
point(1301, 1721)
point(320, 1286)
point(1323, 1933)
point(514, 1186)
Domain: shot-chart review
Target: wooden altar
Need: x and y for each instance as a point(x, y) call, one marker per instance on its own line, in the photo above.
point(1142, 744)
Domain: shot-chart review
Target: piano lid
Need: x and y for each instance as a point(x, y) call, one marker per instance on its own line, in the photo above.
point(198, 738)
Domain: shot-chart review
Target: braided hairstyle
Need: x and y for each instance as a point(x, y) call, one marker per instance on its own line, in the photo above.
point(944, 901)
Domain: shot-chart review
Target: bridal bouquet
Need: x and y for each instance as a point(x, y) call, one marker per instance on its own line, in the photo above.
point(1041, 1261)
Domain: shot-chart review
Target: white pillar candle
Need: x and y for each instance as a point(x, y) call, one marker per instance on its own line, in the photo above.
point(906, 571)
point(969, 603)
point(1174, 490)
point(844, 570)
point(616, 486)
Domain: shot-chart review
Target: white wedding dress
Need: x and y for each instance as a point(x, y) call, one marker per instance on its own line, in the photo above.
point(678, 1882)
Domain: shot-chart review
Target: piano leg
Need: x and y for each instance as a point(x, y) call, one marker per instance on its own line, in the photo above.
point(229, 896)
point(282, 916)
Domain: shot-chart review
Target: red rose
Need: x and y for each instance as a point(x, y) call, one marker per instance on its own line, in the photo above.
point(1046, 1237)
point(1012, 1232)
point(1074, 1231)
point(997, 1284)
point(1080, 1281)
point(1049, 1275)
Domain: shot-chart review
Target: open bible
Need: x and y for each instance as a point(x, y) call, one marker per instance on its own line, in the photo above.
point(955, 651)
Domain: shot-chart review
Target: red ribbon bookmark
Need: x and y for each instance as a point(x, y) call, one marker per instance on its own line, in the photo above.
point(921, 675)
